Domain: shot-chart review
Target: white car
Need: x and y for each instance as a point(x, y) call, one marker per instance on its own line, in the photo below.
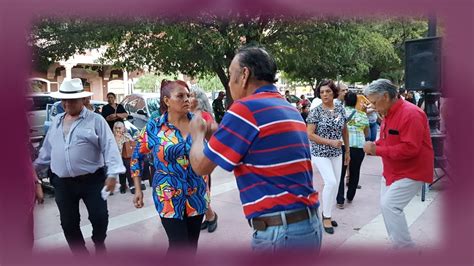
point(140, 107)
point(37, 104)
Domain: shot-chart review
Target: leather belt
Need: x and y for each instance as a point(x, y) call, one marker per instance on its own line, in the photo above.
point(261, 223)
point(100, 171)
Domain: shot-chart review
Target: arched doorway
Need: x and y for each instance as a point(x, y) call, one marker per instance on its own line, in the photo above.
point(40, 85)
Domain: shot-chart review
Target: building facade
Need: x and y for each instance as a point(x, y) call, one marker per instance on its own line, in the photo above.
point(99, 78)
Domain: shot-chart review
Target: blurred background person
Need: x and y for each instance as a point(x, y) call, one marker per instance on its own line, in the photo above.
point(372, 116)
point(305, 111)
point(358, 128)
point(410, 97)
point(218, 106)
point(200, 103)
point(113, 112)
point(303, 101)
point(342, 89)
point(125, 145)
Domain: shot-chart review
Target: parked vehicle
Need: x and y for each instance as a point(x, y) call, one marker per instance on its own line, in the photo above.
point(37, 104)
point(294, 99)
point(140, 106)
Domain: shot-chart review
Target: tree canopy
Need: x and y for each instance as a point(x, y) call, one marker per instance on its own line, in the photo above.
point(306, 49)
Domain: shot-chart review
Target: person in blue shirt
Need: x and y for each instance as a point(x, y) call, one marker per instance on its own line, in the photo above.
point(83, 156)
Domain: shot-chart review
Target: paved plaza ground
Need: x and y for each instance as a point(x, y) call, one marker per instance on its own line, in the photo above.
point(360, 223)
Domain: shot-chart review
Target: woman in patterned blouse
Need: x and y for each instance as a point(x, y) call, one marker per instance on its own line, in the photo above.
point(181, 196)
point(326, 128)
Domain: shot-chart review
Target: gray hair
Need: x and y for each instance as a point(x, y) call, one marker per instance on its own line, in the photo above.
point(382, 86)
point(202, 100)
point(341, 84)
point(119, 123)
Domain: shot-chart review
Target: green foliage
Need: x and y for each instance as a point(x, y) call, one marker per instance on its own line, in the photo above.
point(151, 82)
point(306, 49)
point(148, 83)
point(210, 83)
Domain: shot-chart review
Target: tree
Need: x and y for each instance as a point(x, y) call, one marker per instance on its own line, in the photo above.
point(210, 83)
point(306, 49)
point(396, 31)
point(148, 83)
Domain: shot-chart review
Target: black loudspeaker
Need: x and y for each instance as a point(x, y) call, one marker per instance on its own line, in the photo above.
point(423, 64)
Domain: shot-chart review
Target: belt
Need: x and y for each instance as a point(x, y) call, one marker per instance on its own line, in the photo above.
point(99, 171)
point(261, 223)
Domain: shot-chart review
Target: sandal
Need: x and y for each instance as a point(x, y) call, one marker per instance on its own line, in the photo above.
point(328, 229)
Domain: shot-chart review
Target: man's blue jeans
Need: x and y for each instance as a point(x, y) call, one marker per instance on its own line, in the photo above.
point(304, 235)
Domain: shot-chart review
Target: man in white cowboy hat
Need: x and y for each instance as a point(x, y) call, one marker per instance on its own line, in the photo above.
point(82, 153)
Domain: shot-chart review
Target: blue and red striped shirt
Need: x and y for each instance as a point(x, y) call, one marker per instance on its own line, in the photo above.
point(263, 139)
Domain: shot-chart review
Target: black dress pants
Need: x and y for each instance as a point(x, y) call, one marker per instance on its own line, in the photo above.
point(68, 192)
point(357, 156)
point(183, 234)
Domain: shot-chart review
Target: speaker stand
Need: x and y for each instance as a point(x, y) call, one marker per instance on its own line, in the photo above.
point(437, 137)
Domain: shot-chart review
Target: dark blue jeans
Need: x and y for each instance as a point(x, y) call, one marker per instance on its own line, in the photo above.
point(68, 192)
point(373, 128)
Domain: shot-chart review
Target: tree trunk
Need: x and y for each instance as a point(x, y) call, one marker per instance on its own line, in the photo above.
point(225, 82)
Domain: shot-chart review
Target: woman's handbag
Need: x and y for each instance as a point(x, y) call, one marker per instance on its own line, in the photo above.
point(127, 149)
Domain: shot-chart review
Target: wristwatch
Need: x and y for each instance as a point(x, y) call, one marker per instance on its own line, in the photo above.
point(38, 181)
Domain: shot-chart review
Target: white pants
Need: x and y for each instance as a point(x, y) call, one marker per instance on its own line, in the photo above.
point(330, 169)
point(393, 199)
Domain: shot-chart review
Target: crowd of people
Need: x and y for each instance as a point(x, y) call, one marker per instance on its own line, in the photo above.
point(271, 146)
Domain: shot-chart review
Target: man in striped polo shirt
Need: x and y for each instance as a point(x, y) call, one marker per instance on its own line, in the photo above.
point(263, 139)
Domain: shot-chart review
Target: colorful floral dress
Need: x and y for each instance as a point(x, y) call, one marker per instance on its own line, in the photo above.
point(177, 189)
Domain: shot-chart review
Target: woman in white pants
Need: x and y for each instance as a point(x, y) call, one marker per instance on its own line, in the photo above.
point(326, 128)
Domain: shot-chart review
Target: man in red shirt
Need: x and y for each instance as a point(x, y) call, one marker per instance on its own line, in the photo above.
point(407, 154)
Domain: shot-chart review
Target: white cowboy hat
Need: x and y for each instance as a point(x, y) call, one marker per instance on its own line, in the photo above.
point(71, 89)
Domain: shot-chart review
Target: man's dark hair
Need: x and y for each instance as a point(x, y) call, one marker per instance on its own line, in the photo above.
point(113, 94)
point(330, 84)
point(261, 64)
point(350, 99)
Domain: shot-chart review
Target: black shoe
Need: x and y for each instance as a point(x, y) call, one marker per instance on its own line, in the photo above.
point(132, 190)
point(100, 249)
point(212, 225)
point(334, 223)
point(123, 189)
point(329, 230)
point(204, 225)
point(143, 187)
point(359, 186)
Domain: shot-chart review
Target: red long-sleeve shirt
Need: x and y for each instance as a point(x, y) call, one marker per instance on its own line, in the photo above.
point(405, 144)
